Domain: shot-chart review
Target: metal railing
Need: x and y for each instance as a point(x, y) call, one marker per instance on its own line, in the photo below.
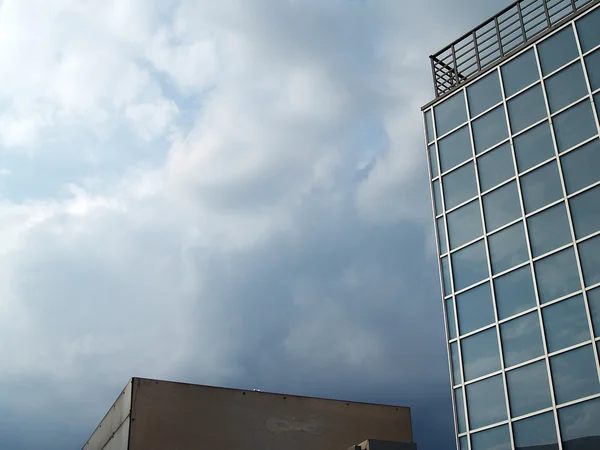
point(511, 28)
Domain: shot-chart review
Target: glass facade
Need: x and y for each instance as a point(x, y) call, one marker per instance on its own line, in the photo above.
point(515, 173)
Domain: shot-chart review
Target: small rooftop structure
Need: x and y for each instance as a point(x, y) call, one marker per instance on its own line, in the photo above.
point(151, 414)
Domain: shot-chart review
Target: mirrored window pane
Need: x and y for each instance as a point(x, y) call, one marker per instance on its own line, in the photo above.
point(501, 206)
point(526, 109)
point(528, 389)
point(589, 254)
point(574, 125)
point(433, 161)
point(508, 248)
point(579, 424)
point(495, 439)
point(541, 187)
point(587, 29)
point(594, 302)
point(580, 167)
point(574, 374)
point(450, 114)
point(514, 292)
point(480, 354)
point(495, 167)
point(429, 126)
point(484, 94)
point(536, 432)
point(557, 50)
point(519, 73)
point(534, 147)
point(490, 129)
point(456, 378)
point(441, 232)
point(469, 265)
point(446, 276)
point(455, 148)
point(521, 339)
point(557, 275)
point(586, 212)
point(592, 63)
point(460, 410)
point(437, 196)
point(566, 86)
point(475, 308)
point(485, 400)
point(450, 318)
point(549, 230)
point(464, 443)
point(459, 186)
point(464, 224)
point(597, 103)
point(565, 323)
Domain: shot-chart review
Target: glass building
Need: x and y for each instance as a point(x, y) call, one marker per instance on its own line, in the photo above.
point(514, 162)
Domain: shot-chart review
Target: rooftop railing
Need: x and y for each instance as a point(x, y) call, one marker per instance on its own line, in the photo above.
point(491, 41)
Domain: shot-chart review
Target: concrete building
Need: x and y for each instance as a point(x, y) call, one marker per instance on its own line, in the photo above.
point(514, 162)
point(160, 415)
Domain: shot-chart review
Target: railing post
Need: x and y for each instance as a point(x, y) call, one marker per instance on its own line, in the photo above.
point(498, 36)
point(573, 5)
point(545, 2)
point(434, 73)
point(477, 58)
point(455, 65)
point(446, 71)
point(520, 11)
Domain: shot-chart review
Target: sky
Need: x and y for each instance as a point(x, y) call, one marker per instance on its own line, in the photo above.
point(226, 192)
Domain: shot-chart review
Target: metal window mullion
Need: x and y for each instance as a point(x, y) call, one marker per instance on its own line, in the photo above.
point(441, 273)
point(595, 113)
point(532, 269)
point(587, 79)
point(568, 209)
point(578, 401)
point(489, 264)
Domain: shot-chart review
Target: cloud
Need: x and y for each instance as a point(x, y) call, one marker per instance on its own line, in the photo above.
point(222, 192)
point(80, 68)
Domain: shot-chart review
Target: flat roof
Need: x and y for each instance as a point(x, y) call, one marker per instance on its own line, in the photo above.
point(266, 393)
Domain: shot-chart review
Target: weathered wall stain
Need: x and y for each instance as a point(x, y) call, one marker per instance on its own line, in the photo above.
point(285, 426)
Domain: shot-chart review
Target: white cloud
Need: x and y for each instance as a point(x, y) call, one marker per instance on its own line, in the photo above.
point(192, 65)
point(81, 66)
point(151, 119)
point(17, 131)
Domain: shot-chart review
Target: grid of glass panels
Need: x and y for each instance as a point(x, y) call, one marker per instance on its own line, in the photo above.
point(515, 170)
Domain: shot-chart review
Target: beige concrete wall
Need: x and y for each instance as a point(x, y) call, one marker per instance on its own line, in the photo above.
point(113, 431)
point(185, 417)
